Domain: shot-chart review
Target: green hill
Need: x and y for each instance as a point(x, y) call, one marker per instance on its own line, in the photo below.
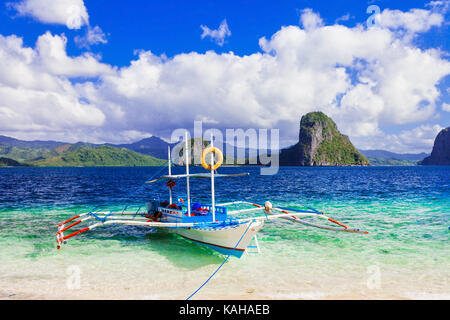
point(59, 154)
point(20, 150)
point(25, 153)
point(6, 162)
point(85, 156)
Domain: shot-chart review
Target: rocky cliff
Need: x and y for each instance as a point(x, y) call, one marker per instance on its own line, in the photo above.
point(441, 150)
point(195, 147)
point(321, 144)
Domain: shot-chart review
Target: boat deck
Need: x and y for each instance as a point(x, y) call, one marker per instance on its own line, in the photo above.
point(199, 213)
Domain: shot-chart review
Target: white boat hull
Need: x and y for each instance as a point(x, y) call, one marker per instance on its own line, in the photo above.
point(228, 240)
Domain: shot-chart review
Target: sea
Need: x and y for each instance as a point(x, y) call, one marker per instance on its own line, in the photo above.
point(405, 255)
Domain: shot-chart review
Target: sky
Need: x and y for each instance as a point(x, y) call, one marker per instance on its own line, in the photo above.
point(114, 71)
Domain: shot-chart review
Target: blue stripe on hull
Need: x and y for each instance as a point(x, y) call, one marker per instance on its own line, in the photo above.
point(222, 250)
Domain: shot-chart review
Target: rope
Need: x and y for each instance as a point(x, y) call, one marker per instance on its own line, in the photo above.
point(220, 264)
point(137, 212)
point(96, 217)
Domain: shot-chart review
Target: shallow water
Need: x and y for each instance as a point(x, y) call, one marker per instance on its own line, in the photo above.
point(405, 255)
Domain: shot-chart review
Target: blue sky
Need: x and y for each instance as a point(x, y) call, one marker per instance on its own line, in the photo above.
point(172, 27)
point(169, 29)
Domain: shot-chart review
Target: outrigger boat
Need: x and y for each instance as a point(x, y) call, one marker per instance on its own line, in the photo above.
point(212, 225)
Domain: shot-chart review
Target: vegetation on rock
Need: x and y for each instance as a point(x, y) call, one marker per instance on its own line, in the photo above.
point(321, 144)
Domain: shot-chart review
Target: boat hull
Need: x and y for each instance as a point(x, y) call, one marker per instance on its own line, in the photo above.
point(228, 240)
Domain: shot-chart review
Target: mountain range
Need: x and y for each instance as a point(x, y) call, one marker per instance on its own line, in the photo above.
point(56, 154)
point(153, 146)
point(387, 158)
point(383, 154)
point(53, 153)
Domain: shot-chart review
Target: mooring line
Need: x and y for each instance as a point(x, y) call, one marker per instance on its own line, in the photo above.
point(221, 263)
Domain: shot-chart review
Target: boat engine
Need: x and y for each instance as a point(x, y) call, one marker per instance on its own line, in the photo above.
point(152, 206)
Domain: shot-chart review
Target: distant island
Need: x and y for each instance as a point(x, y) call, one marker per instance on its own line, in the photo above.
point(79, 155)
point(391, 162)
point(387, 158)
point(441, 150)
point(30, 151)
point(321, 144)
point(97, 156)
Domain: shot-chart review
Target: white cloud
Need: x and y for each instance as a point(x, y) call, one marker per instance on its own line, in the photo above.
point(36, 94)
point(345, 17)
point(446, 107)
point(299, 71)
point(310, 20)
point(71, 13)
point(52, 56)
point(218, 35)
point(366, 79)
point(93, 36)
point(415, 20)
point(419, 139)
point(440, 5)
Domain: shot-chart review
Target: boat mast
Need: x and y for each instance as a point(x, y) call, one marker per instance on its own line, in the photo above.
point(170, 173)
point(187, 174)
point(212, 182)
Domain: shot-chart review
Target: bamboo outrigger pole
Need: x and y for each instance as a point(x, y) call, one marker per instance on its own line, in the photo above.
point(187, 174)
point(170, 173)
point(213, 208)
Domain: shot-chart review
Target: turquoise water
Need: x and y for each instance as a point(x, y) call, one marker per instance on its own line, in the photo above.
point(405, 255)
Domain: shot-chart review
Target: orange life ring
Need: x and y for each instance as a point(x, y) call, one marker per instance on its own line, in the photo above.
point(217, 164)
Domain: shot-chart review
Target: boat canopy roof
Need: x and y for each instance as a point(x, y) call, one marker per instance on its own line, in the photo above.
point(197, 176)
